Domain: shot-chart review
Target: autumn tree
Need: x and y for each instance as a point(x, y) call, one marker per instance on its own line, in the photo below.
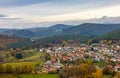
point(97, 74)
point(64, 43)
point(81, 71)
point(90, 41)
point(117, 75)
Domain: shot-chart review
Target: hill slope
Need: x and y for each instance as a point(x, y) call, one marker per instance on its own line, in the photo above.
point(50, 31)
point(36, 32)
point(59, 26)
point(114, 35)
point(19, 33)
point(4, 40)
point(91, 29)
point(58, 39)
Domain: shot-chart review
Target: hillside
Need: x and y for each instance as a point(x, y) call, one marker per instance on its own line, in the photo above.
point(50, 31)
point(114, 35)
point(36, 32)
point(91, 29)
point(1, 30)
point(19, 33)
point(4, 40)
point(59, 26)
point(58, 39)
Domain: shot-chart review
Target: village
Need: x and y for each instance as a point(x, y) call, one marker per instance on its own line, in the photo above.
point(97, 53)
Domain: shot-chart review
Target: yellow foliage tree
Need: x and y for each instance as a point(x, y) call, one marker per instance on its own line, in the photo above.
point(117, 75)
point(97, 74)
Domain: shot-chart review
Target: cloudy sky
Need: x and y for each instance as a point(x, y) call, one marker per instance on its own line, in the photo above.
point(40, 13)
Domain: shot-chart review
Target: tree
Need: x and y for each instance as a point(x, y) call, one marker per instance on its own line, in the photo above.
point(1, 59)
point(19, 56)
point(1, 68)
point(64, 43)
point(81, 71)
point(90, 41)
point(11, 50)
point(117, 75)
point(97, 74)
point(47, 56)
point(8, 68)
point(108, 71)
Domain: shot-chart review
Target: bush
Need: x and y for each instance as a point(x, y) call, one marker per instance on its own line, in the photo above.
point(19, 56)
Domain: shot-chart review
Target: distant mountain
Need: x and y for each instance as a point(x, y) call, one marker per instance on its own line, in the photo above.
point(114, 35)
point(59, 26)
point(49, 31)
point(4, 40)
point(19, 33)
point(36, 32)
point(91, 29)
point(58, 39)
point(36, 29)
point(1, 30)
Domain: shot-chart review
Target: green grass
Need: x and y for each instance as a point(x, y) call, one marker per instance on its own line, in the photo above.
point(100, 64)
point(37, 58)
point(107, 76)
point(29, 53)
point(20, 63)
point(43, 75)
point(33, 58)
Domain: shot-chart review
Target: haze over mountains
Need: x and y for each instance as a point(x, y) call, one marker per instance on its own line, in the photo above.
point(92, 29)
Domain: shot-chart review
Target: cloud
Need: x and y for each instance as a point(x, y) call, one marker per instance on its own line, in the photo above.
point(12, 3)
point(52, 8)
point(2, 16)
point(7, 18)
point(31, 13)
point(7, 3)
point(102, 20)
point(26, 24)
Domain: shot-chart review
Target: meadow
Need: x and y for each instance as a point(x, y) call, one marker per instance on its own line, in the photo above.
point(42, 75)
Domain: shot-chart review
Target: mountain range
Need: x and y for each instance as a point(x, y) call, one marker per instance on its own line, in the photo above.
point(16, 38)
point(92, 29)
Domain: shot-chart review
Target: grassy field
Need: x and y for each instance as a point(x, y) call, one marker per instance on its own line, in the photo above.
point(107, 76)
point(36, 57)
point(100, 64)
point(40, 75)
point(43, 75)
point(27, 64)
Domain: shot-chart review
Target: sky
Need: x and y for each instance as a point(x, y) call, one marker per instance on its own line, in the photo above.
point(41, 13)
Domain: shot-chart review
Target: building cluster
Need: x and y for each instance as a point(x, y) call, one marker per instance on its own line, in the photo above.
point(96, 52)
